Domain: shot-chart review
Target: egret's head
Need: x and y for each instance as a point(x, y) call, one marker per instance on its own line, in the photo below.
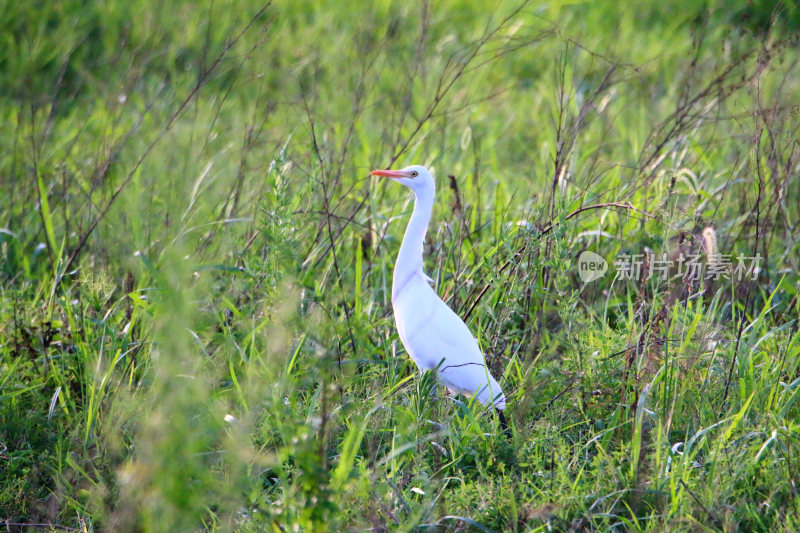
point(415, 177)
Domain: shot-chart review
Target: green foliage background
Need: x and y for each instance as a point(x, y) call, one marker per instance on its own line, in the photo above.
point(195, 267)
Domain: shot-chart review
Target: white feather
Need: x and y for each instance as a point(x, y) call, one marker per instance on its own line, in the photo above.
point(433, 335)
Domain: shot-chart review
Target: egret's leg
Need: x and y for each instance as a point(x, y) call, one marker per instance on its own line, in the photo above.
point(503, 423)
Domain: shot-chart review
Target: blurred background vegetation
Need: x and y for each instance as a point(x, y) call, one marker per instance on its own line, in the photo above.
point(195, 266)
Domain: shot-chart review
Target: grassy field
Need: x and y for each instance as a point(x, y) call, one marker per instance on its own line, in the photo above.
point(195, 266)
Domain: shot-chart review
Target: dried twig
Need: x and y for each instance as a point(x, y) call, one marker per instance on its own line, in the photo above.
point(202, 79)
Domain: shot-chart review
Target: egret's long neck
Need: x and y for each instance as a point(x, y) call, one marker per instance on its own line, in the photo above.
point(409, 259)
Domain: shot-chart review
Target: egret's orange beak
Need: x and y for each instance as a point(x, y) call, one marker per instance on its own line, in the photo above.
point(396, 174)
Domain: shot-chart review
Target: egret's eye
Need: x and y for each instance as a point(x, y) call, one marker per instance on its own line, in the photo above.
point(414, 173)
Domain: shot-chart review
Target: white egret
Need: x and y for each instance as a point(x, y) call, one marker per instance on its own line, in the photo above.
point(433, 335)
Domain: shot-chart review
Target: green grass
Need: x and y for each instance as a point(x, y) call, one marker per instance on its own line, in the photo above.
point(195, 267)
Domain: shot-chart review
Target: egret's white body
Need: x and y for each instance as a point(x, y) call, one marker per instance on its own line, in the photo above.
point(433, 335)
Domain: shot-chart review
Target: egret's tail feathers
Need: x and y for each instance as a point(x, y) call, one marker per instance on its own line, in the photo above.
point(500, 401)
